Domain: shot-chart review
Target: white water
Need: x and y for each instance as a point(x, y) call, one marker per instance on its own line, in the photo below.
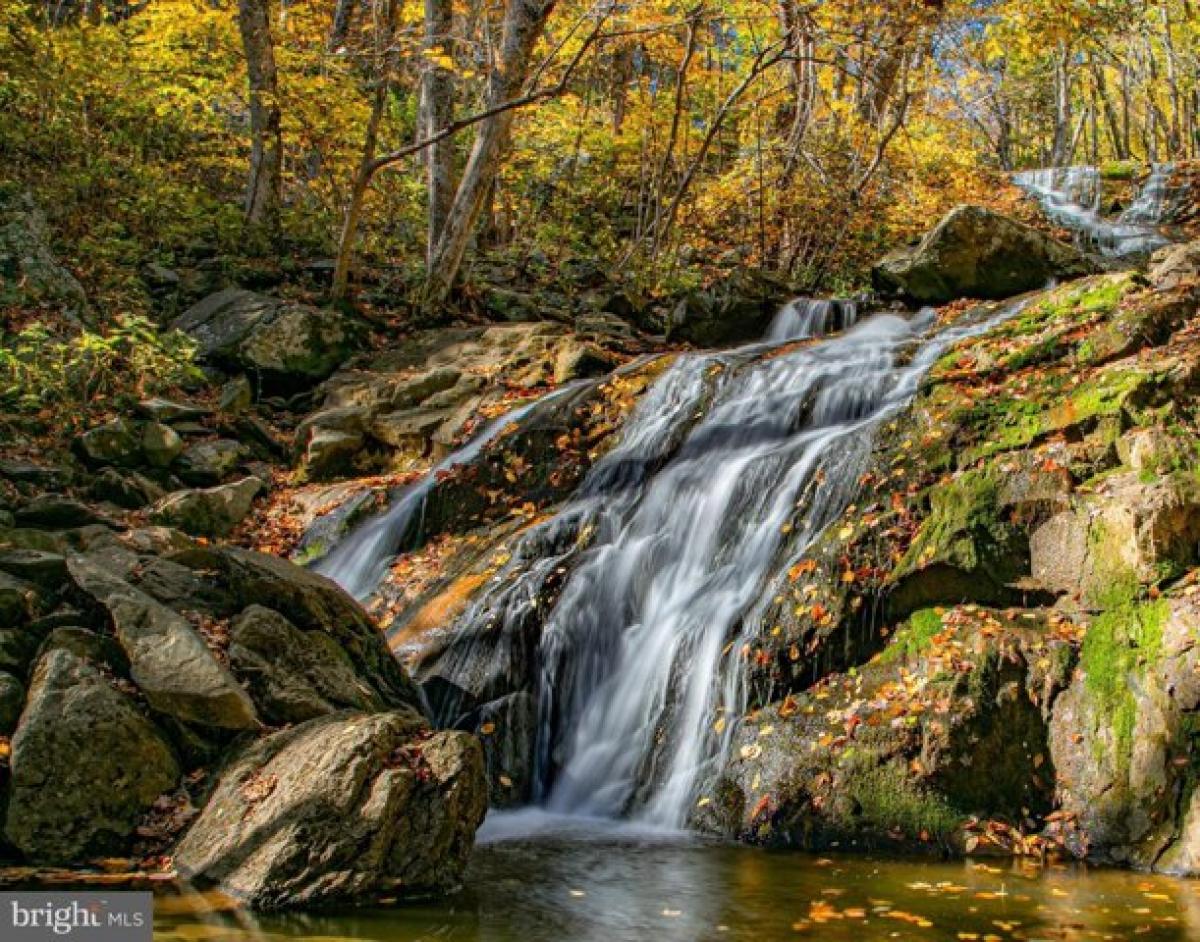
point(1071, 197)
point(811, 317)
point(360, 561)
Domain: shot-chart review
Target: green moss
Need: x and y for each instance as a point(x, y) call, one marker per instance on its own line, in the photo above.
point(888, 799)
point(1123, 639)
point(1119, 170)
point(963, 521)
point(914, 637)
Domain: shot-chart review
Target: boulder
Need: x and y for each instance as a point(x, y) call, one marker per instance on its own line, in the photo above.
point(976, 253)
point(286, 345)
point(118, 442)
point(313, 603)
point(161, 444)
point(55, 512)
point(12, 699)
point(129, 490)
point(295, 675)
point(206, 463)
point(86, 765)
point(343, 808)
point(213, 511)
point(30, 275)
point(330, 439)
point(169, 661)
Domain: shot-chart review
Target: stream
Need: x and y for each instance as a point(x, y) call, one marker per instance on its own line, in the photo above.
point(539, 878)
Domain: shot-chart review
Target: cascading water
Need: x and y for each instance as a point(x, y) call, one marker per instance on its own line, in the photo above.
point(668, 552)
point(360, 561)
point(1071, 197)
point(811, 317)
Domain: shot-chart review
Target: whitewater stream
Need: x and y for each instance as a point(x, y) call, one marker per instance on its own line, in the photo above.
point(1071, 197)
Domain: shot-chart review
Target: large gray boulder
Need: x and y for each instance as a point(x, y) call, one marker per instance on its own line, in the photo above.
point(213, 511)
point(169, 661)
point(86, 765)
point(343, 808)
point(312, 602)
point(976, 253)
point(284, 344)
point(295, 675)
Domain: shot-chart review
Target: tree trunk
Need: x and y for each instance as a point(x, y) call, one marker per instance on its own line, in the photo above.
point(437, 111)
point(264, 189)
point(524, 23)
point(1062, 108)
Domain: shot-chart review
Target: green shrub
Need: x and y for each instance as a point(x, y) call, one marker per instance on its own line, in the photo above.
point(92, 371)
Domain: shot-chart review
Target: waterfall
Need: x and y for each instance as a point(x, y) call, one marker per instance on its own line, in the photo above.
point(811, 317)
point(732, 463)
point(1071, 198)
point(359, 562)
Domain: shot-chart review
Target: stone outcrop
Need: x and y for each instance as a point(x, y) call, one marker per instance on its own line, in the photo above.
point(86, 764)
point(976, 253)
point(282, 344)
point(212, 511)
point(344, 807)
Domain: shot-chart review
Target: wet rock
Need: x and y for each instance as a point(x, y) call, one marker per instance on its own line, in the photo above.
point(161, 444)
point(342, 808)
point(86, 765)
point(213, 511)
point(945, 725)
point(736, 309)
point(294, 675)
point(976, 253)
point(285, 344)
point(507, 729)
point(204, 464)
point(169, 661)
point(117, 442)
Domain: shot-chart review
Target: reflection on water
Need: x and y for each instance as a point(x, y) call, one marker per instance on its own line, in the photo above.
point(570, 881)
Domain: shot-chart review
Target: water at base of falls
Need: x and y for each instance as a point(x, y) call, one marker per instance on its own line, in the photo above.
point(1071, 197)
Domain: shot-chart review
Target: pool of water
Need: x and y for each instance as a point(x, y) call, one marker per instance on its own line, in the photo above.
point(537, 879)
